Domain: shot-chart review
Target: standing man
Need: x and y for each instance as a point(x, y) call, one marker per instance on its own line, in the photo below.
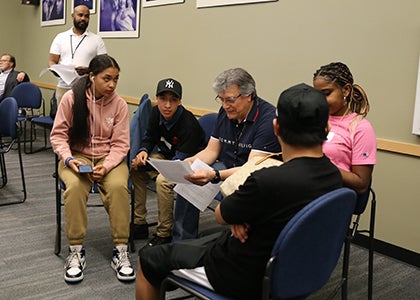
point(243, 130)
point(76, 46)
point(9, 78)
point(176, 134)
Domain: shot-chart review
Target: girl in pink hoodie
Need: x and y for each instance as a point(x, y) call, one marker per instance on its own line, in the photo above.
point(91, 137)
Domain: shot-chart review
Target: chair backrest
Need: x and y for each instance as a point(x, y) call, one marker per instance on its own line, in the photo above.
point(362, 201)
point(307, 249)
point(53, 106)
point(27, 95)
point(207, 122)
point(138, 125)
point(8, 117)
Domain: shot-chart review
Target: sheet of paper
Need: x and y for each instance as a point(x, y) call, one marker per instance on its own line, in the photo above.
point(173, 170)
point(199, 196)
point(67, 73)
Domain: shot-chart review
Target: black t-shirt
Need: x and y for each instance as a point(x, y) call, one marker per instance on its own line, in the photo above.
point(266, 201)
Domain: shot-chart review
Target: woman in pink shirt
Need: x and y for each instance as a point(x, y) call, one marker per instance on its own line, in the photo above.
point(91, 138)
point(351, 143)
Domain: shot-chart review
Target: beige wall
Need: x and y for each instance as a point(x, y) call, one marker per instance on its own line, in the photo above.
point(280, 43)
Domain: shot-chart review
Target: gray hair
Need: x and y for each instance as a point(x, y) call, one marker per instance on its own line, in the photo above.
point(236, 76)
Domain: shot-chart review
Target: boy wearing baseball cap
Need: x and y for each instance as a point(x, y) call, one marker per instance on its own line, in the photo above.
point(176, 134)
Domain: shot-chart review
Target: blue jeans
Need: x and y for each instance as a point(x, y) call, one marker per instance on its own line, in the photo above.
point(186, 215)
point(186, 218)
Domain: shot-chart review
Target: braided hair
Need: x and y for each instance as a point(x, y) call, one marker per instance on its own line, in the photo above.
point(339, 73)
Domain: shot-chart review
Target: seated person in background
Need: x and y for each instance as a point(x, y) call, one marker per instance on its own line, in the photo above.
point(177, 134)
point(351, 143)
point(233, 262)
point(243, 130)
point(9, 78)
point(91, 127)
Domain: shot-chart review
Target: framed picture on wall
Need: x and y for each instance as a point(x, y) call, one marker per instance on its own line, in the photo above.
point(209, 3)
point(119, 18)
point(89, 3)
point(53, 12)
point(148, 3)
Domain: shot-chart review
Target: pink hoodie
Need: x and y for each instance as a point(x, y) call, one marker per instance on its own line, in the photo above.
point(110, 135)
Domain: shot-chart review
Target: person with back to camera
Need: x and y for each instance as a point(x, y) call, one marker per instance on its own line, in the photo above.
point(91, 128)
point(76, 46)
point(351, 143)
point(177, 134)
point(233, 262)
point(242, 131)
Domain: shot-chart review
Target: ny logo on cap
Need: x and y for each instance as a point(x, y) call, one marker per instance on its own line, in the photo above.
point(169, 84)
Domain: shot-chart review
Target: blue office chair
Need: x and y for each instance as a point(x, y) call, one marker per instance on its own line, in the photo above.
point(29, 99)
point(304, 255)
point(207, 122)
point(8, 137)
point(46, 122)
point(138, 125)
point(361, 204)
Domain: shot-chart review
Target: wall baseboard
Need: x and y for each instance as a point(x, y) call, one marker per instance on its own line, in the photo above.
point(404, 255)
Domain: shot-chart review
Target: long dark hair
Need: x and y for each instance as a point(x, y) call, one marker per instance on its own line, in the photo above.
point(79, 133)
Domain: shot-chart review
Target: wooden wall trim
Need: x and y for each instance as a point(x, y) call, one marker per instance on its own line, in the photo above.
point(398, 147)
point(383, 144)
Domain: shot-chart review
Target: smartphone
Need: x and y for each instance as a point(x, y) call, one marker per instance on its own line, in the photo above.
point(85, 169)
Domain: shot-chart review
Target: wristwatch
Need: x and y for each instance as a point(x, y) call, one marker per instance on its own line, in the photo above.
point(216, 178)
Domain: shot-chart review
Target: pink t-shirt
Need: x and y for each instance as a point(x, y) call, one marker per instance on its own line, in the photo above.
point(350, 143)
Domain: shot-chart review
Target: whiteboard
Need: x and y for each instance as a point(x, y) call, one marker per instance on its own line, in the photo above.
point(416, 117)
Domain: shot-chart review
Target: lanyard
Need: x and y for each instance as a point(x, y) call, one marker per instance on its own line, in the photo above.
point(71, 45)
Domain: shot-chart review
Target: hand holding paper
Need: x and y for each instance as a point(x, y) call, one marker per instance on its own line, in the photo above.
point(67, 73)
point(175, 170)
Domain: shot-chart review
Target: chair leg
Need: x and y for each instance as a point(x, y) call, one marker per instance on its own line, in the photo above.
point(4, 174)
point(371, 247)
point(131, 238)
point(3, 170)
point(57, 247)
point(345, 273)
point(22, 174)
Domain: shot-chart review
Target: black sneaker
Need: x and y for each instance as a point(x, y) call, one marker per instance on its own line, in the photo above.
point(75, 264)
point(121, 264)
point(140, 232)
point(157, 240)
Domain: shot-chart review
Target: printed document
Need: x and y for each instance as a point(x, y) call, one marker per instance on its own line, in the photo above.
point(175, 170)
point(67, 73)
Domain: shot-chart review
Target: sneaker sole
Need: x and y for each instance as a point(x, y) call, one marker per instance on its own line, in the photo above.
point(122, 278)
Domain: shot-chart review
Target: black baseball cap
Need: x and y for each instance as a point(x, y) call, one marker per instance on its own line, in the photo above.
point(301, 108)
point(169, 85)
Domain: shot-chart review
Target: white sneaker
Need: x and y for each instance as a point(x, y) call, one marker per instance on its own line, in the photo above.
point(75, 264)
point(121, 264)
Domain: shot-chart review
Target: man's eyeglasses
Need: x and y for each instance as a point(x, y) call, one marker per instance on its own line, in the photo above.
point(4, 60)
point(228, 100)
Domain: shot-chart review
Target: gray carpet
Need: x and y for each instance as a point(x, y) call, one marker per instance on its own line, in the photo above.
point(30, 270)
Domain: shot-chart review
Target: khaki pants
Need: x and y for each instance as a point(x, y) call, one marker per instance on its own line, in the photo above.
point(165, 198)
point(114, 194)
